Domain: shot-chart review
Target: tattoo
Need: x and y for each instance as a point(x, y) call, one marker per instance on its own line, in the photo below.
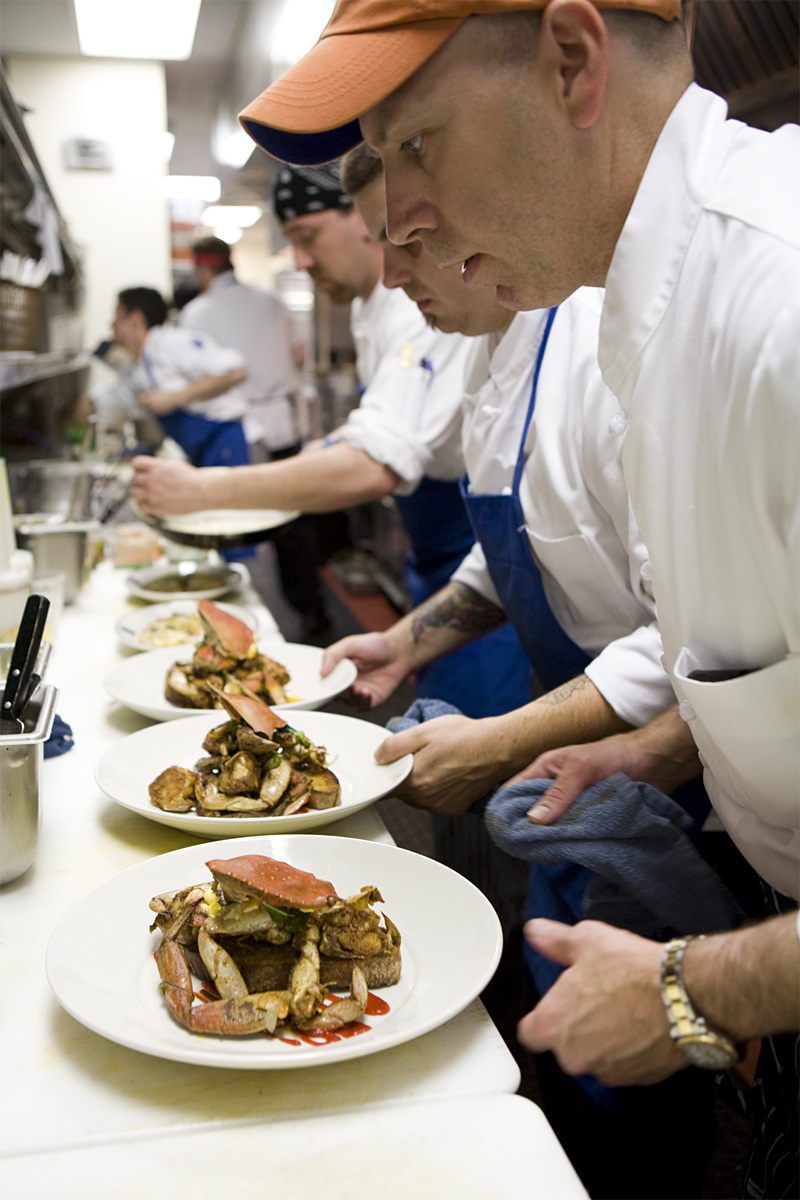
point(562, 694)
point(459, 607)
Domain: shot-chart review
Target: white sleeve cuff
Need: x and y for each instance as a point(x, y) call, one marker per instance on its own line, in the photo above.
point(631, 677)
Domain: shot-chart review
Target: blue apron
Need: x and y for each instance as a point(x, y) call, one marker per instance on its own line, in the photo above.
point(498, 521)
point(491, 675)
point(557, 889)
point(205, 443)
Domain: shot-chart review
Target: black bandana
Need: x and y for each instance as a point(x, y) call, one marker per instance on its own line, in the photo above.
point(298, 191)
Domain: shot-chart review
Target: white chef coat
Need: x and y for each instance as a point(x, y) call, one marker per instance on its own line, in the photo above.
point(257, 323)
point(171, 359)
point(573, 495)
point(700, 342)
point(409, 417)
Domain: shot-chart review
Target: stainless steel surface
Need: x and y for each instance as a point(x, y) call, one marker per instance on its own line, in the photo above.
point(52, 485)
point(57, 545)
point(21, 757)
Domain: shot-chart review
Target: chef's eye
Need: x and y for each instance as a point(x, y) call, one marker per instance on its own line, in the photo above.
point(412, 144)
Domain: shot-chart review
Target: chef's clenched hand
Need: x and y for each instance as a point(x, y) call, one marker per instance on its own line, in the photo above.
point(161, 485)
point(454, 763)
point(604, 1015)
point(382, 667)
point(662, 754)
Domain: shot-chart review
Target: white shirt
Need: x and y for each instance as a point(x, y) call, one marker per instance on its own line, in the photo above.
point(574, 499)
point(171, 359)
point(258, 324)
point(700, 340)
point(409, 417)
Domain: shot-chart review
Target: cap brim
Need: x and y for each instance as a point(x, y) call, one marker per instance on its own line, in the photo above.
point(310, 115)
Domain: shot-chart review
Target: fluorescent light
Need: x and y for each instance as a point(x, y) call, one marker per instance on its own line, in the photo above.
point(242, 216)
point(158, 29)
point(298, 28)
point(230, 145)
point(228, 233)
point(191, 187)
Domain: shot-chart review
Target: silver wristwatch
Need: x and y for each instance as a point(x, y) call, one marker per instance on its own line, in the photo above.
point(702, 1046)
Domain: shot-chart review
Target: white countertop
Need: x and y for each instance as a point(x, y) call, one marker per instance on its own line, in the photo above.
point(473, 1148)
point(69, 1091)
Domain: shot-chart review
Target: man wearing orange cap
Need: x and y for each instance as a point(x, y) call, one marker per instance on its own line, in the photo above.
point(544, 150)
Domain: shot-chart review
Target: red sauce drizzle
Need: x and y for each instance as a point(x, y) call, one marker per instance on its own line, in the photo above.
point(376, 1007)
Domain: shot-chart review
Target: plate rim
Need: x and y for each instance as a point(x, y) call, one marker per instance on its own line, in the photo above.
point(174, 713)
point(145, 593)
point(336, 1052)
point(181, 599)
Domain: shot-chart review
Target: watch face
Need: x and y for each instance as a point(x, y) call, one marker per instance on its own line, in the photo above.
point(709, 1051)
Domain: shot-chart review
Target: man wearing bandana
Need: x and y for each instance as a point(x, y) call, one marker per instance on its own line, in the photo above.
point(403, 439)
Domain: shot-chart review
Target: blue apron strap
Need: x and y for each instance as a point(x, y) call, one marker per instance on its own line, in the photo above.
point(532, 403)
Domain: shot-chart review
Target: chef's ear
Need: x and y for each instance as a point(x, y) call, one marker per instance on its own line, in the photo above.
point(573, 48)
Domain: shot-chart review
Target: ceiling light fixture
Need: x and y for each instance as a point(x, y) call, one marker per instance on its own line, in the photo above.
point(228, 233)
point(155, 29)
point(298, 28)
point(191, 187)
point(242, 216)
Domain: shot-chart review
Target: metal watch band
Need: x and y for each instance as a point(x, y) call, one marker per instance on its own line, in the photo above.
point(684, 1022)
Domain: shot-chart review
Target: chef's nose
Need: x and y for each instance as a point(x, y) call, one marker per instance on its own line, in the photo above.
point(303, 260)
point(396, 271)
point(408, 214)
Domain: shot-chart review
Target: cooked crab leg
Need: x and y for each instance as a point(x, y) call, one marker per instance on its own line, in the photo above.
point(307, 995)
point(237, 1015)
point(341, 1012)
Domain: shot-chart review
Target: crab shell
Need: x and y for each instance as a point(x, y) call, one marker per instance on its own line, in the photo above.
point(255, 713)
point(231, 634)
point(283, 886)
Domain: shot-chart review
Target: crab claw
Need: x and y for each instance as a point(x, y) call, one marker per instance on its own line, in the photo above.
point(255, 713)
point(226, 632)
point(341, 1012)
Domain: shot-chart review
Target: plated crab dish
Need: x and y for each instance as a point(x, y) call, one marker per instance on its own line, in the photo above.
point(256, 764)
point(273, 942)
point(226, 660)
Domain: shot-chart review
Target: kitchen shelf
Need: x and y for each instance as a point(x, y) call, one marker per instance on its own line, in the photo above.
point(20, 367)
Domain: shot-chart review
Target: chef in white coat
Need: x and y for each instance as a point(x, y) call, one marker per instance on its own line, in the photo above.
point(548, 149)
point(403, 439)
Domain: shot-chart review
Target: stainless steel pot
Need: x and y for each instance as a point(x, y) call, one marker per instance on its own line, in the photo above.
point(21, 757)
point(57, 545)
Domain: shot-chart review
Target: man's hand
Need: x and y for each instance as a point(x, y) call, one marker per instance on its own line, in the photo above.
point(662, 754)
point(162, 485)
point(381, 667)
point(604, 1015)
point(455, 763)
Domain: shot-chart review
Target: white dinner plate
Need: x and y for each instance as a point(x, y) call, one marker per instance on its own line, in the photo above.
point(126, 770)
point(150, 583)
point(451, 945)
point(131, 627)
point(218, 528)
point(138, 681)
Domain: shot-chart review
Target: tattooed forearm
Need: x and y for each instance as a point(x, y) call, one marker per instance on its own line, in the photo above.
point(459, 607)
point(566, 691)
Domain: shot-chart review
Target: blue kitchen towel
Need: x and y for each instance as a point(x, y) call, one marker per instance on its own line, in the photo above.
point(60, 740)
point(422, 710)
point(649, 876)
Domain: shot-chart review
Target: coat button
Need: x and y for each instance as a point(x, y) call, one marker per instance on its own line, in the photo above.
point(646, 571)
point(686, 710)
point(618, 424)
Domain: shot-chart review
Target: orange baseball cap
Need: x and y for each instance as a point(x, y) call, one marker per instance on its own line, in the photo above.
point(310, 115)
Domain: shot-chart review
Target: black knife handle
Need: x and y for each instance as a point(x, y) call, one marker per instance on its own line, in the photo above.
point(23, 658)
